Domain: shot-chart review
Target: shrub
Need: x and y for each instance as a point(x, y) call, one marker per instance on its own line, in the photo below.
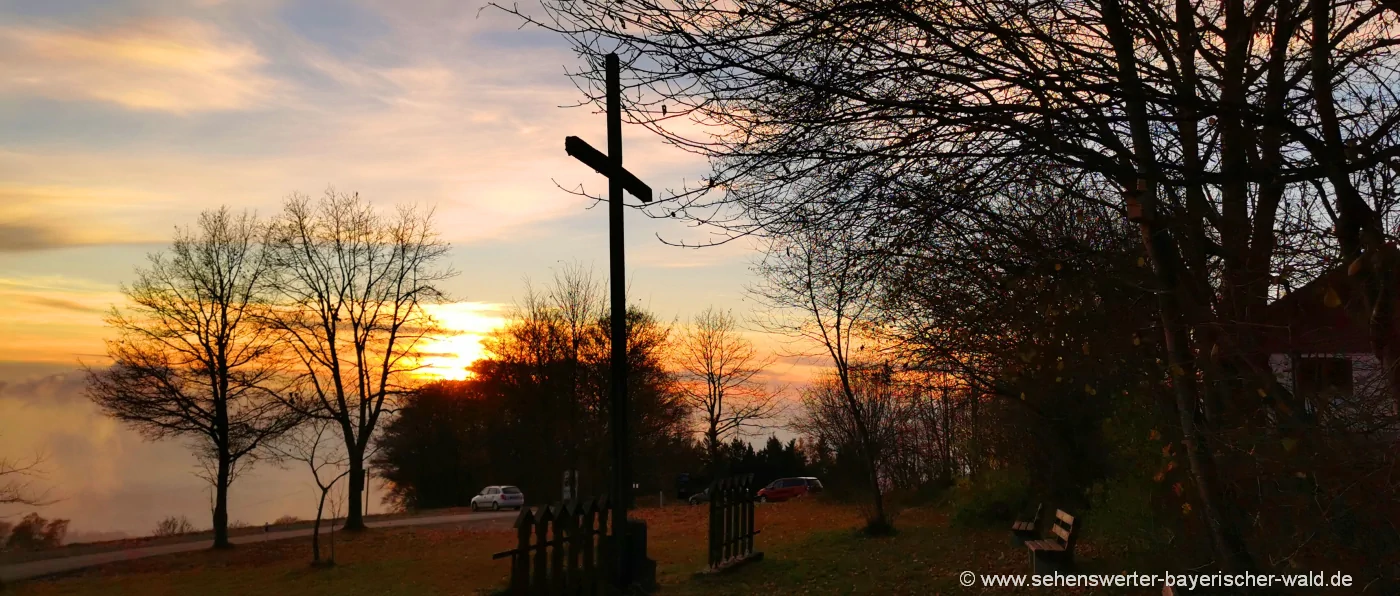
point(1133, 507)
point(286, 519)
point(238, 524)
point(994, 497)
point(174, 526)
point(1125, 520)
point(34, 532)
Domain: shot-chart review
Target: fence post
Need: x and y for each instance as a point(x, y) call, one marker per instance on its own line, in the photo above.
point(714, 536)
point(590, 568)
point(738, 512)
point(520, 561)
point(540, 583)
point(732, 505)
point(741, 511)
point(748, 512)
point(556, 555)
point(741, 516)
point(729, 517)
point(606, 568)
point(572, 574)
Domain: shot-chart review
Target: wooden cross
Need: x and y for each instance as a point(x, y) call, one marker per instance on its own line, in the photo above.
point(619, 179)
point(593, 158)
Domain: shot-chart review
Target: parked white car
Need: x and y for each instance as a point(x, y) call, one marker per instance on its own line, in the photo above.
point(497, 498)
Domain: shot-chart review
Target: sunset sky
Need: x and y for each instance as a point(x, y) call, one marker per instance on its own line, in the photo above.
point(121, 119)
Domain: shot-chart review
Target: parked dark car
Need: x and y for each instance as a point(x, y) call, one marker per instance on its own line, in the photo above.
point(700, 497)
point(783, 489)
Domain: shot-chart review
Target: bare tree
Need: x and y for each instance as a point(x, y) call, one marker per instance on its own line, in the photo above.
point(337, 504)
point(315, 445)
point(16, 481)
point(720, 381)
point(352, 286)
point(861, 413)
point(825, 278)
point(1253, 141)
point(576, 301)
point(192, 360)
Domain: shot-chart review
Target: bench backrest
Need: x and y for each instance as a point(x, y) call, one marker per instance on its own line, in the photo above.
point(1064, 529)
point(1035, 520)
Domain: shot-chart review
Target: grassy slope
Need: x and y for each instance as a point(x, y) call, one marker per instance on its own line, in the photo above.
point(85, 548)
point(811, 547)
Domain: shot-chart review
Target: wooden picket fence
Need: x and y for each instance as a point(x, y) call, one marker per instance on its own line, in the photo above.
point(731, 522)
point(561, 549)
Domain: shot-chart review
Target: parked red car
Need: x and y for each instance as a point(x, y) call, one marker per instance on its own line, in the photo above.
point(783, 489)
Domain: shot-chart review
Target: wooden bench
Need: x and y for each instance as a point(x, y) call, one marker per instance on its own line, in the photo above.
point(1057, 553)
point(1022, 531)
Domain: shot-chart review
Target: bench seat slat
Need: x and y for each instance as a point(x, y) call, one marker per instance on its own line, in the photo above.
point(1023, 526)
point(1046, 545)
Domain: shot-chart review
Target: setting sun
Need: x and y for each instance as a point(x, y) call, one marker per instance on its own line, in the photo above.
point(466, 324)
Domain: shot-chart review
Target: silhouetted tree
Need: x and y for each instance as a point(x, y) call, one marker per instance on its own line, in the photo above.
point(535, 407)
point(720, 379)
point(351, 287)
point(438, 450)
point(192, 358)
point(824, 291)
point(1256, 140)
point(313, 443)
point(35, 532)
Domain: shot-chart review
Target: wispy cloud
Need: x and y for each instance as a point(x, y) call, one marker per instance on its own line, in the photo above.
point(53, 319)
point(17, 237)
point(175, 65)
point(38, 217)
point(63, 304)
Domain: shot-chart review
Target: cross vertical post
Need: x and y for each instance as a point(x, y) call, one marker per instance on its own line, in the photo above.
point(622, 464)
point(628, 555)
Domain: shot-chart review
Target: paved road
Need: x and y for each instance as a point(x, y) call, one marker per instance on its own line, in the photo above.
point(31, 569)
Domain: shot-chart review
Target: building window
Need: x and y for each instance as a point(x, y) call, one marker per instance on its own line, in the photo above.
point(1322, 380)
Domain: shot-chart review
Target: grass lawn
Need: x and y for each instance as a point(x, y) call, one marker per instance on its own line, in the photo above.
point(810, 546)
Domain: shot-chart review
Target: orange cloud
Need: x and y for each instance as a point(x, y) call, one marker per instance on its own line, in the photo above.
point(168, 65)
point(53, 319)
point(35, 217)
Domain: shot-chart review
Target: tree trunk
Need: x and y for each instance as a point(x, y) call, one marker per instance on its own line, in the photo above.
point(221, 482)
point(879, 498)
point(947, 441)
point(868, 453)
point(316, 529)
point(712, 445)
point(354, 518)
point(1163, 252)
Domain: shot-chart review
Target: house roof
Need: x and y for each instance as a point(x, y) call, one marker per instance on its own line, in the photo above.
point(1310, 320)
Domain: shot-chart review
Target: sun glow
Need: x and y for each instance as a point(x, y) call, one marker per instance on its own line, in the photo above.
point(465, 324)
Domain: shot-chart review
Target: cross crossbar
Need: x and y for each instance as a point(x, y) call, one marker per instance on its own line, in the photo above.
point(593, 158)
